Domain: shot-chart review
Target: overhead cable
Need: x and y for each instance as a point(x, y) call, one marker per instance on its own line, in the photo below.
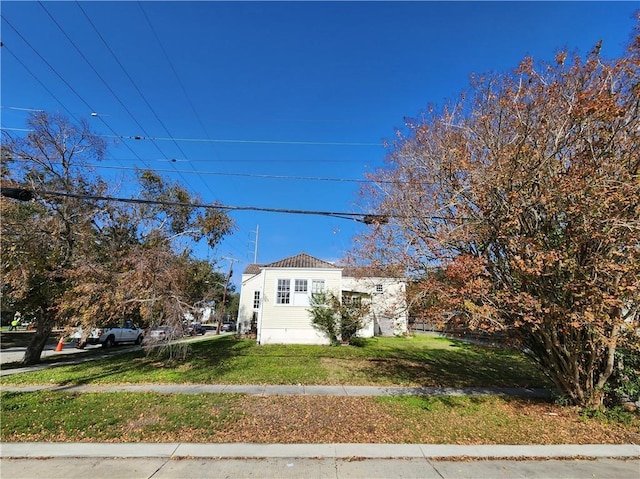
point(61, 78)
point(35, 77)
point(254, 175)
point(25, 194)
point(237, 140)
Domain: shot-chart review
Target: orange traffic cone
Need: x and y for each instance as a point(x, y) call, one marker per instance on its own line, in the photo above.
point(60, 344)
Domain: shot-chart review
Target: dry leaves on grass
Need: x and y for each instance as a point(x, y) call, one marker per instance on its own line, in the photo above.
point(322, 419)
point(331, 419)
point(312, 419)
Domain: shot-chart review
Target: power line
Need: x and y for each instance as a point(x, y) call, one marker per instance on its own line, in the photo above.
point(25, 194)
point(19, 108)
point(265, 176)
point(147, 137)
point(104, 82)
point(175, 73)
point(236, 160)
point(35, 77)
point(61, 78)
point(237, 140)
point(255, 175)
point(128, 76)
point(184, 90)
point(144, 98)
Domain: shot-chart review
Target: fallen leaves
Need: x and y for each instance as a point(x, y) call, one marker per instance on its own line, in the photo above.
point(332, 419)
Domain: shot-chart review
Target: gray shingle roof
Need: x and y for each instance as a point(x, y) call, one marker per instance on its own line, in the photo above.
point(370, 272)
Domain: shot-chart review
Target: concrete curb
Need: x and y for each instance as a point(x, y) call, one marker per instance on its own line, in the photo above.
point(335, 451)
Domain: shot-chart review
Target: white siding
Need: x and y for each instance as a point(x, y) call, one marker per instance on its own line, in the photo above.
point(389, 312)
point(291, 323)
point(250, 284)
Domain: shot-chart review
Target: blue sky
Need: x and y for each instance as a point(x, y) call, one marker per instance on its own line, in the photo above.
point(236, 91)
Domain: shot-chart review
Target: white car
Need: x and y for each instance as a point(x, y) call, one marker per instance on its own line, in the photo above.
point(111, 335)
point(163, 333)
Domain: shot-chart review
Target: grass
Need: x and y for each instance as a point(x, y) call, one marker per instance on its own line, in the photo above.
point(107, 417)
point(414, 361)
point(215, 418)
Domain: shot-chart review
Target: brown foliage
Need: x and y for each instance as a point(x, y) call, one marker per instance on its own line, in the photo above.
point(518, 207)
point(72, 259)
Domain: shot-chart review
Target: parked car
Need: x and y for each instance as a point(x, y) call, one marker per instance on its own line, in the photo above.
point(228, 326)
point(110, 335)
point(163, 333)
point(196, 328)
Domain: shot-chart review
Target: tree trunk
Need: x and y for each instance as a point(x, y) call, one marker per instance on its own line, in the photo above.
point(39, 340)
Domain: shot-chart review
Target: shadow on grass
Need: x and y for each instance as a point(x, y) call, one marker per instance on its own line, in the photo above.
point(210, 357)
point(466, 366)
point(227, 359)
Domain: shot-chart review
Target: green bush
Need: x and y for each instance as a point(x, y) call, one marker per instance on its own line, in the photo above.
point(323, 315)
point(624, 384)
point(340, 321)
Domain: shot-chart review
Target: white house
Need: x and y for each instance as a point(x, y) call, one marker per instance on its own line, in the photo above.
point(275, 299)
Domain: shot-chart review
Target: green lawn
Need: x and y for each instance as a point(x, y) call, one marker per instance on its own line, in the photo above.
point(413, 361)
point(421, 360)
point(151, 417)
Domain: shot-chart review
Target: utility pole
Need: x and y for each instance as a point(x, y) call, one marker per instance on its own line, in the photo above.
point(224, 293)
point(255, 249)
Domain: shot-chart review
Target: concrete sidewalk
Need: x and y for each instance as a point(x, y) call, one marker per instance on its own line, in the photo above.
point(343, 451)
point(286, 390)
point(324, 461)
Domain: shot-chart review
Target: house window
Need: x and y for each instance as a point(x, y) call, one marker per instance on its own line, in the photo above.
point(317, 286)
point(283, 295)
point(352, 300)
point(379, 288)
point(256, 300)
point(301, 286)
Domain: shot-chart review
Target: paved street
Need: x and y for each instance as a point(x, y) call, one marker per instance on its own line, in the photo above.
point(16, 353)
point(69, 352)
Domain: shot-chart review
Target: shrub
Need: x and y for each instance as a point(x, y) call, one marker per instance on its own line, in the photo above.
point(624, 385)
point(340, 321)
point(323, 315)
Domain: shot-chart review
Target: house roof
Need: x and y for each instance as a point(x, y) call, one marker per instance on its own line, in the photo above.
point(302, 260)
point(253, 268)
point(370, 272)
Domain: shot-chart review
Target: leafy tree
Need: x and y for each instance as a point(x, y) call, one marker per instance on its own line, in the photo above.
point(516, 207)
point(40, 239)
point(69, 259)
point(352, 313)
point(145, 270)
